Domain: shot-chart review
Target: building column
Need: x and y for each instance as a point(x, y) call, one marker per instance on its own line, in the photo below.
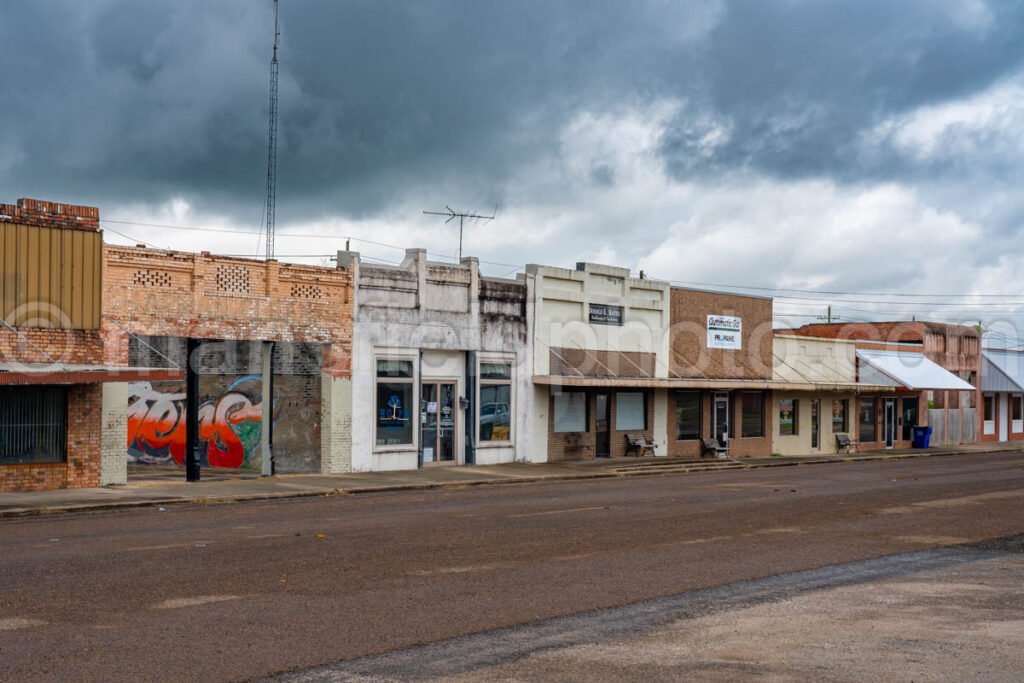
point(114, 434)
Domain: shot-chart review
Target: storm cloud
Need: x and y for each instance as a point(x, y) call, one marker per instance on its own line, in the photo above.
point(674, 136)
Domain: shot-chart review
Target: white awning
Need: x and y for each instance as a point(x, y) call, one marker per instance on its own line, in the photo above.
point(907, 369)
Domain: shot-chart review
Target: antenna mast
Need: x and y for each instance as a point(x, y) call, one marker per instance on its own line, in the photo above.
point(271, 200)
point(462, 216)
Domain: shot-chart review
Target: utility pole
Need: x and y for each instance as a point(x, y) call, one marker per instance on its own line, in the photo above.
point(271, 199)
point(462, 216)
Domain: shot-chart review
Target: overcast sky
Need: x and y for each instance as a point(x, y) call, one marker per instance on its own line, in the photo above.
point(865, 146)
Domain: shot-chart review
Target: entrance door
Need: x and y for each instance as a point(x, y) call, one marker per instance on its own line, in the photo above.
point(1004, 409)
point(815, 425)
point(909, 418)
point(889, 424)
point(720, 418)
point(438, 423)
point(602, 416)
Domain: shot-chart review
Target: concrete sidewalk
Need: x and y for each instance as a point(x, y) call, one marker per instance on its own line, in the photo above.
point(162, 490)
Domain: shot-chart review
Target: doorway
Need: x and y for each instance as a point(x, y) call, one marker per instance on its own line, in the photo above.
point(889, 423)
point(438, 423)
point(1004, 421)
point(720, 418)
point(909, 418)
point(815, 425)
point(602, 428)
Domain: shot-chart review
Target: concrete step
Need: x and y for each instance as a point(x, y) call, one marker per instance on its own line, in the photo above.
point(711, 466)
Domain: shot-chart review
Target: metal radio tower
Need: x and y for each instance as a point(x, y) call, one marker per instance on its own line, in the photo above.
point(271, 200)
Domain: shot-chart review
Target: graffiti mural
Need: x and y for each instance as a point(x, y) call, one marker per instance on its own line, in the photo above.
point(229, 425)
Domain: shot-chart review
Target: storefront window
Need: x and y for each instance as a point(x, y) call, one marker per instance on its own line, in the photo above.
point(495, 402)
point(630, 412)
point(394, 400)
point(1018, 408)
point(839, 425)
point(570, 411)
point(753, 414)
point(687, 415)
point(33, 424)
point(990, 408)
point(867, 420)
point(788, 408)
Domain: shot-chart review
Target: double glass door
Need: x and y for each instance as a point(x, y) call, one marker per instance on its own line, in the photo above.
point(438, 423)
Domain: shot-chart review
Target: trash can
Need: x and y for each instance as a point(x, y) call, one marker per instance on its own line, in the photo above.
point(922, 437)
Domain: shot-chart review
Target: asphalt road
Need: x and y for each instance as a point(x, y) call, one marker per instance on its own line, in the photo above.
point(243, 591)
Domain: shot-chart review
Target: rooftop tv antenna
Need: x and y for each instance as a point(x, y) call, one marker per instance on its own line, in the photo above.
point(462, 216)
point(271, 200)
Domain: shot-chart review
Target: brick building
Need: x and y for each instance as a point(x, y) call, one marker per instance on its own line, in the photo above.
point(912, 355)
point(61, 400)
point(156, 300)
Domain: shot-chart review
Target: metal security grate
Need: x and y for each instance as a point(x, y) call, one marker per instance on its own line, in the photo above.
point(33, 425)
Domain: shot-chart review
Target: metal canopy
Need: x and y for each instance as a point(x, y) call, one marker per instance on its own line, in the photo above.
point(907, 369)
point(1002, 370)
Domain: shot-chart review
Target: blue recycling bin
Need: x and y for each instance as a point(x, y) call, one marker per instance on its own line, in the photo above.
point(922, 437)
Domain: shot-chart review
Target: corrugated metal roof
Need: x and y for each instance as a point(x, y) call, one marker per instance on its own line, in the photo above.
point(910, 370)
point(1002, 370)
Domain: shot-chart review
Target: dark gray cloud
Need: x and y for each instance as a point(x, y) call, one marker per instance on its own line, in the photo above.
point(391, 103)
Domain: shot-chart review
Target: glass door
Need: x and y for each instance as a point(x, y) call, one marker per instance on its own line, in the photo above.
point(720, 418)
point(815, 425)
point(602, 409)
point(889, 425)
point(438, 423)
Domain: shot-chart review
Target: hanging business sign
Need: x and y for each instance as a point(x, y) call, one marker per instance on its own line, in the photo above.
point(602, 314)
point(725, 332)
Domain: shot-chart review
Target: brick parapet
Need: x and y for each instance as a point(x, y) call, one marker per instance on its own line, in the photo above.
point(46, 214)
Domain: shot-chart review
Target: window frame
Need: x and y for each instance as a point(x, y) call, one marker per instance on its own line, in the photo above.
point(700, 413)
point(845, 426)
point(643, 409)
point(510, 383)
point(795, 409)
point(586, 411)
point(743, 416)
point(874, 420)
point(413, 444)
point(45, 397)
point(988, 401)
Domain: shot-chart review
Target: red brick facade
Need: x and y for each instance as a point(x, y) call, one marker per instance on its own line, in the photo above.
point(689, 354)
point(51, 215)
point(583, 445)
point(82, 468)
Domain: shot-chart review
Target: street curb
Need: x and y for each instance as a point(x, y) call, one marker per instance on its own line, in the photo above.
point(697, 468)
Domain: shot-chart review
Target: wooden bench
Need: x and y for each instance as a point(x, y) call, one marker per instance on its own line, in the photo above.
point(845, 443)
point(638, 443)
point(712, 445)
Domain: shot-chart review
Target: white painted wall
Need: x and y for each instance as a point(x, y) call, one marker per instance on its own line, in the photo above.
point(435, 309)
point(114, 434)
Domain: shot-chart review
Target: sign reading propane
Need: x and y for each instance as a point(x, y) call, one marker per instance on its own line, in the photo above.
point(725, 332)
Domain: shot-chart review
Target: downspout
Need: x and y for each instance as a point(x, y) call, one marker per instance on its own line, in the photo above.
point(470, 418)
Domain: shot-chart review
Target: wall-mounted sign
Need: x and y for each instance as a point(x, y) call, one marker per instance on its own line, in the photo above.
point(725, 332)
point(602, 314)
